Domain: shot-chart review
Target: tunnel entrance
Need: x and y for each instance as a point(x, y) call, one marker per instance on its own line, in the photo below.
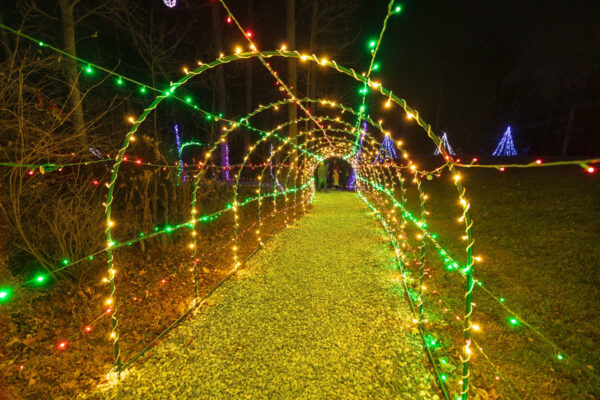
point(340, 174)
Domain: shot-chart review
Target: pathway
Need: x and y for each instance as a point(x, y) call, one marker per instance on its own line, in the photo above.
point(312, 316)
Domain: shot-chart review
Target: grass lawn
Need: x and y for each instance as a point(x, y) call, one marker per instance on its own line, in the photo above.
point(537, 231)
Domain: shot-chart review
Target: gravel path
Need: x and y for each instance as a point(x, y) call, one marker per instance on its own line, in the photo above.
point(313, 316)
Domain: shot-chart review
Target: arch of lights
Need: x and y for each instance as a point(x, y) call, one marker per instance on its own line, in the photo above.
point(376, 184)
point(382, 186)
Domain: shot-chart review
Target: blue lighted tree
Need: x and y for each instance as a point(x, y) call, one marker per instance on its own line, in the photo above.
point(445, 145)
point(387, 150)
point(506, 146)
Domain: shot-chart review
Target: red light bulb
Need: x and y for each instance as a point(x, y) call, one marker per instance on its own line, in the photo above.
point(538, 161)
point(591, 170)
point(62, 345)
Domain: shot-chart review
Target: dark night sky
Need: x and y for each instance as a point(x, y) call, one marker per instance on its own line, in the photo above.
point(470, 67)
point(473, 67)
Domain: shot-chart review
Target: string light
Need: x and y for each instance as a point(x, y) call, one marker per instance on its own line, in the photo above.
point(446, 145)
point(378, 183)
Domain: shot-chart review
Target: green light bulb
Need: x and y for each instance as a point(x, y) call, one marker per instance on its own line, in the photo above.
point(372, 44)
point(143, 89)
point(40, 278)
point(513, 321)
point(89, 70)
point(375, 67)
point(65, 261)
point(398, 9)
point(119, 81)
point(5, 295)
point(501, 299)
point(560, 356)
point(188, 99)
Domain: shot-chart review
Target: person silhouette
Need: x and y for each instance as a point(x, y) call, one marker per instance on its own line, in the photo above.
point(322, 177)
point(336, 177)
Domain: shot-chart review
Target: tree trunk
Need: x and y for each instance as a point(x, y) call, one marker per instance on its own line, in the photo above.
point(248, 85)
point(310, 79)
point(565, 145)
point(439, 107)
point(4, 40)
point(66, 9)
point(292, 70)
point(542, 149)
point(222, 99)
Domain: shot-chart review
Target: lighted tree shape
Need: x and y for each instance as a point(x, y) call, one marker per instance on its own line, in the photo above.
point(386, 151)
point(445, 145)
point(506, 146)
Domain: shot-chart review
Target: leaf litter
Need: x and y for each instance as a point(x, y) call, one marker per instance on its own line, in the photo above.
point(309, 317)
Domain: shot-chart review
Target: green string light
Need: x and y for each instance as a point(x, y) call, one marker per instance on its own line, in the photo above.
point(465, 271)
point(5, 294)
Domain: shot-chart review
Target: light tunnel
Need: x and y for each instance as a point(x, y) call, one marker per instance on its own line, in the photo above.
point(338, 131)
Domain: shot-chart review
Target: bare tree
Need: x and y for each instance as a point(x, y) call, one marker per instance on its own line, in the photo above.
point(292, 65)
point(221, 91)
point(68, 21)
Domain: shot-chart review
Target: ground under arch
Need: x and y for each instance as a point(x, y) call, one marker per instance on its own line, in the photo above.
point(315, 315)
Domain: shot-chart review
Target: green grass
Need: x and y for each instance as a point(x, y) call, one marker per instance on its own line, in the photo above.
point(537, 231)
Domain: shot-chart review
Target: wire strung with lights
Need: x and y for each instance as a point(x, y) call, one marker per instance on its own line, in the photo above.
point(446, 145)
point(284, 191)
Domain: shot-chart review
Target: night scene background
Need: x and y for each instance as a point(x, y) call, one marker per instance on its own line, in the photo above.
point(75, 79)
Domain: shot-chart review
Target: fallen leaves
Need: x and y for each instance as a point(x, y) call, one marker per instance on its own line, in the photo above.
point(311, 320)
